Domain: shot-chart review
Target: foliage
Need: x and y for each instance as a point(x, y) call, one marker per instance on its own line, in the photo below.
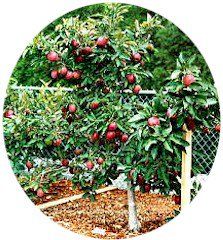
point(169, 41)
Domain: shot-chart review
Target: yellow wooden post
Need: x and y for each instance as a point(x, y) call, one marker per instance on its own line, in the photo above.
point(186, 171)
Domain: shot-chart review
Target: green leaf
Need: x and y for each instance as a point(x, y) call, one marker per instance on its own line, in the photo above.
point(179, 141)
point(154, 152)
point(149, 144)
point(136, 118)
point(167, 146)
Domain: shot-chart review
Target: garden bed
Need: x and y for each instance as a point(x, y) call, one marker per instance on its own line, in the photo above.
point(110, 213)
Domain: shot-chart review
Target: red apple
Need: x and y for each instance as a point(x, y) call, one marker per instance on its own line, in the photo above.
point(63, 71)
point(147, 187)
point(94, 105)
point(190, 123)
point(72, 108)
point(118, 133)
point(9, 114)
point(40, 193)
point(206, 130)
point(110, 135)
point(102, 41)
point(69, 75)
point(131, 78)
point(89, 165)
point(176, 199)
point(57, 142)
point(170, 115)
point(124, 138)
point(188, 80)
point(86, 51)
point(79, 59)
point(137, 89)
point(54, 74)
point(136, 57)
point(153, 121)
point(218, 128)
point(53, 56)
point(29, 165)
point(76, 74)
point(95, 137)
point(100, 160)
point(75, 43)
point(112, 126)
point(64, 162)
point(140, 179)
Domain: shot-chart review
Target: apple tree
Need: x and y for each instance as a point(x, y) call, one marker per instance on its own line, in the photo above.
point(110, 131)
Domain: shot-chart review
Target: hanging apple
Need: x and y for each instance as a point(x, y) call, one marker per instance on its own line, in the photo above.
point(89, 165)
point(137, 89)
point(72, 108)
point(110, 135)
point(100, 160)
point(40, 193)
point(95, 137)
point(147, 187)
point(57, 142)
point(53, 56)
point(153, 121)
point(9, 114)
point(86, 51)
point(188, 80)
point(131, 78)
point(69, 75)
point(124, 138)
point(77, 74)
point(94, 105)
point(102, 42)
point(54, 74)
point(64, 162)
point(136, 57)
point(79, 59)
point(75, 43)
point(63, 71)
point(29, 165)
point(112, 126)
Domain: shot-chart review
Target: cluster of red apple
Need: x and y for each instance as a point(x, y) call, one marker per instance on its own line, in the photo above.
point(131, 78)
point(80, 55)
point(90, 164)
point(112, 133)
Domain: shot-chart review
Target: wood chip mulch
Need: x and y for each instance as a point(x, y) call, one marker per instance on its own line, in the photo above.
point(58, 190)
point(110, 212)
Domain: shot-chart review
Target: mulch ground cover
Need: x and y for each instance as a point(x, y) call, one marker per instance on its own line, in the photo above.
point(110, 212)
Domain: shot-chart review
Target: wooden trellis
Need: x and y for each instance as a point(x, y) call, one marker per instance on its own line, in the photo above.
point(186, 171)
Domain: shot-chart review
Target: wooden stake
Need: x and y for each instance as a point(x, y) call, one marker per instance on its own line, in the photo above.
point(72, 198)
point(186, 171)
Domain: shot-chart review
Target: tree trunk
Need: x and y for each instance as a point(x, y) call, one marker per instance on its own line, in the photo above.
point(133, 221)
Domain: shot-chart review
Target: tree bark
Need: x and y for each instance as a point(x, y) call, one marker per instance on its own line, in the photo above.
point(134, 224)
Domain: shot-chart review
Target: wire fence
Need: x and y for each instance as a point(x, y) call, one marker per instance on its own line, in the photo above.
point(204, 145)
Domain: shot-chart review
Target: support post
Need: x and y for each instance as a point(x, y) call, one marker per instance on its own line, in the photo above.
point(186, 171)
point(133, 220)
